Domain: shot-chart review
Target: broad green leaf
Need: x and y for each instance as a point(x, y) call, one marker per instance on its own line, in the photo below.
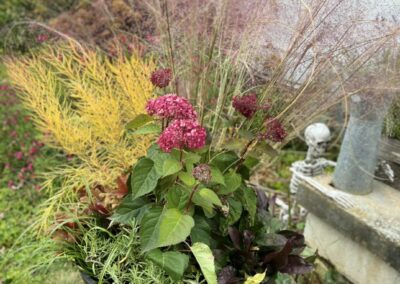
point(235, 211)
point(144, 178)
point(216, 176)
point(153, 150)
point(191, 158)
point(187, 178)
point(251, 162)
point(150, 228)
point(130, 209)
point(224, 160)
point(175, 227)
point(232, 182)
point(173, 262)
point(206, 198)
point(256, 279)
point(171, 166)
point(148, 129)
point(205, 259)
point(249, 201)
point(160, 228)
point(201, 231)
point(139, 121)
point(177, 197)
point(159, 157)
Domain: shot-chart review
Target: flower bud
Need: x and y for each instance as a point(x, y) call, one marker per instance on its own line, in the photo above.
point(202, 173)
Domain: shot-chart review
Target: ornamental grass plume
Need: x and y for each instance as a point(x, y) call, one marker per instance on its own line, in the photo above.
point(81, 102)
point(298, 55)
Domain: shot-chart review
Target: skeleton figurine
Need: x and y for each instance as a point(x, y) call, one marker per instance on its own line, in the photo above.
point(317, 137)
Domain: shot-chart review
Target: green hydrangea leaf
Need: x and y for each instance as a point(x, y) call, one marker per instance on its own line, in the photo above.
point(205, 259)
point(232, 182)
point(173, 262)
point(164, 227)
point(130, 209)
point(144, 178)
point(171, 166)
point(139, 121)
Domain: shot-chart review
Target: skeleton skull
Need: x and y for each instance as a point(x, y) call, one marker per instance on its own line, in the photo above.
point(317, 137)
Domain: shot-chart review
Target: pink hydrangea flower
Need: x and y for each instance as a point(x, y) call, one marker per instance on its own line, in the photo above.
point(19, 155)
point(274, 130)
point(171, 106)
point(182, 133)
point(161, 77)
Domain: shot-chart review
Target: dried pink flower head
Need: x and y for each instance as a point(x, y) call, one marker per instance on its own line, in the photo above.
point(246, 105)
point(13, 134)
point(182, 133)
point(274, 130)
point(19, 155)
point(33, 150)
point(171, 106)
point(30, 167)
point(10, 184)
point(202, 173)
point(161, 77)
point(42, 38)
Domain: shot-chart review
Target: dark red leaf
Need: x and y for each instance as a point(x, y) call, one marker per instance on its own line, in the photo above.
point(296, 265)
point(278, 259)
point(100, 209)
point(235, 236)
point(248, 238)
point(297, 240)
point(227, 275)
point(122, 187)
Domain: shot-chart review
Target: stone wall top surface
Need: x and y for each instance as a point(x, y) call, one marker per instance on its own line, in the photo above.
point(372, 220)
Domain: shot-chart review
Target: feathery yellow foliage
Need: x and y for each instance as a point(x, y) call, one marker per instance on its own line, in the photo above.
point(81, 102)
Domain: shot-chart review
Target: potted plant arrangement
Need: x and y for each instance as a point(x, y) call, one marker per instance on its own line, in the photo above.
point(146, 188)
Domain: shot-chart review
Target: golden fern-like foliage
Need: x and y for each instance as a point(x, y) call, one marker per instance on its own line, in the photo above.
point(81, 102)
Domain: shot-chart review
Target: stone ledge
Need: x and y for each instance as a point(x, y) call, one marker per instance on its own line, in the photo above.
point(371, 220)
point(351, 259)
